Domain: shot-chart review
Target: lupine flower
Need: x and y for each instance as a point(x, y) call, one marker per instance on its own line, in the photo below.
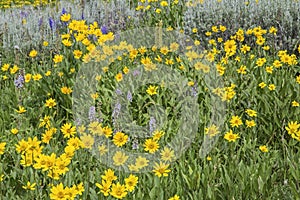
point(104, 29)
point(19, 82)
point(51, 23)
point(118, 91)
point(92, 113)
point(152, 124)
point(63, 11)
point(129, 96)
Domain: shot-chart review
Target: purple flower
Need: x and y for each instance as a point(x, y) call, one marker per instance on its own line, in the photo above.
point(82, 16)
point(135, 144)
point(92, 113)
point(40, 22)
point(51, 23)
point(129, 96)
point(118, 92)
point(136, 72)
point(63, 11)
point(104, 29)
point(152, 124)
point(19, 82)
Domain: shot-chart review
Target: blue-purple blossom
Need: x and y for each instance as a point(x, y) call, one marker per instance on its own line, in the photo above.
point(135, 144)
point(152, 124)
point(104, 30)
point(19, 82)
point(136, 72)
point(92, 113)
point(51, 23)
point(63, 11)
point(118, 92)
point(40, 22)
point(82, 16)
point(129, 96)
point(194, 90)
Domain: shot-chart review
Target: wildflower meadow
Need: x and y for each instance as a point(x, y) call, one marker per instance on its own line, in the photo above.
point(150, 99)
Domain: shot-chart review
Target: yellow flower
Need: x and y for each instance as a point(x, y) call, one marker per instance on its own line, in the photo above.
point(167, 154)
point(295, 104)
point(21, 110)
point(161, 169)
point(5, 67)
point(29, 186)
point(250, 123)
point(95, 95)
point(14, 69)
point(119, 158)
point(120, 139)
point(37, 77)
point(222, 28)
point(152, 90)
point(230, 136)
point(104, 187)
point(58, 192)
point(272, 87)
point(164, 3)
point(33, 53)
point(45, 43)
point(109, 175)
point(67, 42)
point(131, 182)
point(262, 85)
point(118, 191)
point(125, 70)
point(176, 197)
point(195, 30)
point(2, 148)
point(14, 131)
point(65, 17)
point(236, 121)
point(242, 70)
point(58, 58)
point(298, 79)
point(66, 90)
point(50, 103)
point(251, 113)
point(151, 145)
point(264, 148)
point(119, 77)
point(208, 158)
point(87, 141)
point(68, 130)
point(212, 130)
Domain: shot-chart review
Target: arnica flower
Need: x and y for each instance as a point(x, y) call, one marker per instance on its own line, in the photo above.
point(264, 148)
point(29, 186)
point(21, 110)
point(120, 139)
point(236, 121)
point(176, 197)
point(231, 137)
point(151, 145)
point(2, 147)
point(131, 182)
point(118, 191)
point(161, 169)
point(50, 103)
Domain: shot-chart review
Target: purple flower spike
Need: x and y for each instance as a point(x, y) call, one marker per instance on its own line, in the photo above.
point(63, 11)
point(51, 23)
point(104, 30)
